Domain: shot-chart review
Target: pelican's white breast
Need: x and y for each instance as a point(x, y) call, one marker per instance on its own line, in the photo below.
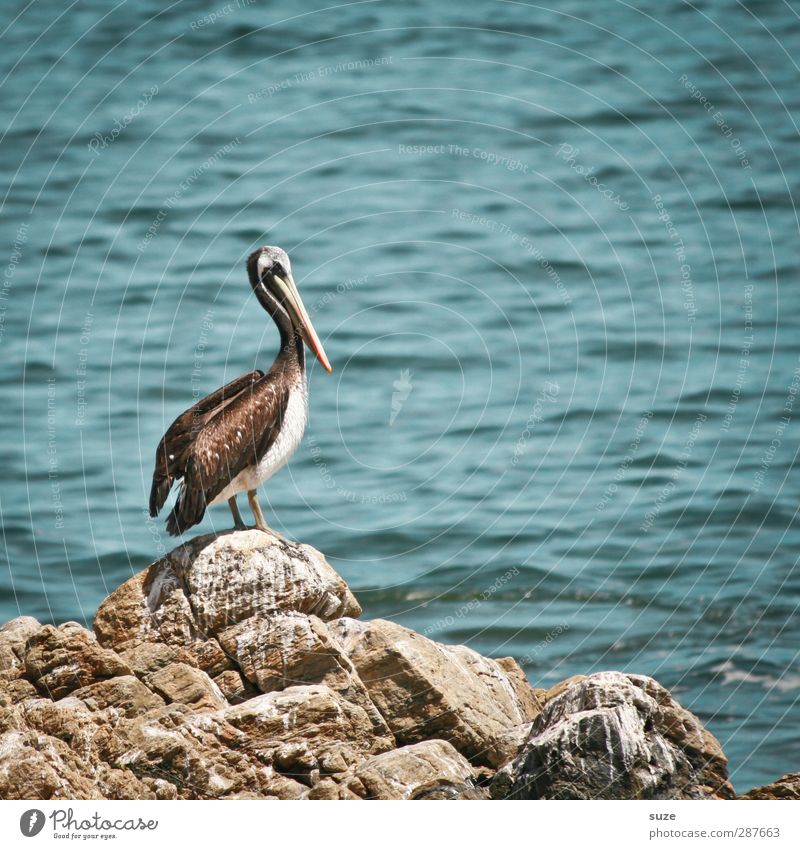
point(285, 444)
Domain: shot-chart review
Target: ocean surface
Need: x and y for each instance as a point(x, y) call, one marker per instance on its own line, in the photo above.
point(552, 254)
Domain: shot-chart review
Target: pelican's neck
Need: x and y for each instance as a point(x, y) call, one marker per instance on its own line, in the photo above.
point(292, 355)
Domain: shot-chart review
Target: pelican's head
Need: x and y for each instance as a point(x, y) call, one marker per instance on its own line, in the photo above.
point(271, 272)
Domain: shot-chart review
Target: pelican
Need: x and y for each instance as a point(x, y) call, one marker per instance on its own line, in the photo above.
point(239, 436)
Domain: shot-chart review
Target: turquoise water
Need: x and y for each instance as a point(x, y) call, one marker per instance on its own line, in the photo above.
point(552, 254)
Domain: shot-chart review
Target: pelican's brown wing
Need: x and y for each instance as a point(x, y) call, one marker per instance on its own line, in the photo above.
point(173, 450)
point(237, 437)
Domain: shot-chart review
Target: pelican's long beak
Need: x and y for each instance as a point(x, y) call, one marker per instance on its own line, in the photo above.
point(301, 320)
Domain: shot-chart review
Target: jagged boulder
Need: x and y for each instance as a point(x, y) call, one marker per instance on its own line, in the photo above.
point(60, 660)
point(313, 716)
point(214, 581)
point(282, 650)
point(615, 736)
point(425, 690)
point(125, 694)
point(410, 770)
point(13, 636)
point(14, 687)
point(786, 787)
point(184, 684)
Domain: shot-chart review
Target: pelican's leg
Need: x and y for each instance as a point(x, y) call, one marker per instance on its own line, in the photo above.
point(252, 497)
point(237, 516)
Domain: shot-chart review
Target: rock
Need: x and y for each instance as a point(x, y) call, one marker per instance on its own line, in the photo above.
point(560, 687)
point(231, 577)
point(126, 694)
point(446, 791)
point(276, 745)
point(33, 766)
point(200, 754)
point(88, 734)
point(14, 689)
point(150, 607)
point(786, 787)
point(13, 636)
point(235, 687)
point(326, 788)
point(286, 649)
point(426, 691)
point(401, 773)
point(145, 658)
point(218, 580)
point(210, 657)
point(282, 787)
point(179, 682)
point(163, 790)
point(60, 750)
point(615, 736)
point(315, 718)
point(60, 660)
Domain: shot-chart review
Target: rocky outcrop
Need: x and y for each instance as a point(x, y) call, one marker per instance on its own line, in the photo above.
point(236, 667)
point(615, 736)
point(786, 787)
point(219, 580)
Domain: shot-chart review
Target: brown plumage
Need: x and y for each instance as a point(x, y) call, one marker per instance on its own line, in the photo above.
point(240, 435)
point(221, 435)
